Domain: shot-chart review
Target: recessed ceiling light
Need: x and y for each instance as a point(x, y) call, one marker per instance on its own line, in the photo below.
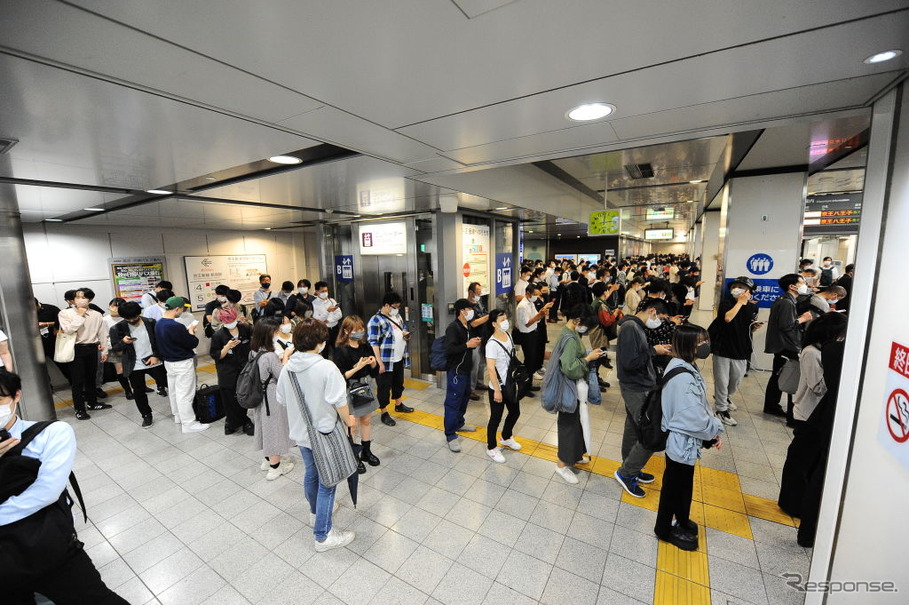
point(209, 178)
point(579, 237)
point(158, 191)
point(590, 111)
point(94, 209)
point(53, 220)
point(695, 182)
point(285, 159)
point(501, 208)
point(883, 56)
point(558, 235)
point(268, 228)
point(530, 231)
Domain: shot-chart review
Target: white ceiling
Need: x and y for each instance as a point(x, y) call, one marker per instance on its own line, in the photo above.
point(138, 94)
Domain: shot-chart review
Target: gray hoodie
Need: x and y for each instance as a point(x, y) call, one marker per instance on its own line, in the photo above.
point(324, 390)
point(686, 414)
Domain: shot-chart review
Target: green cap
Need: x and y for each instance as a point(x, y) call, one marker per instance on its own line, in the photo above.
point(174, 302)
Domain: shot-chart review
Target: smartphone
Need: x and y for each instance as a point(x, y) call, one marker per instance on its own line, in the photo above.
point(234, 339)
point(194, 323)
point(145, 360)
point(604, 349)
point(4, 435)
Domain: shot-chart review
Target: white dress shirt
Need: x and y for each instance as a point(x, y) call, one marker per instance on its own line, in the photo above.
point(524, 312)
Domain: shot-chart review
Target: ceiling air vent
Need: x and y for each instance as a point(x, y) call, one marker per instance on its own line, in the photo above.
point(639, 171)
point(7, 144)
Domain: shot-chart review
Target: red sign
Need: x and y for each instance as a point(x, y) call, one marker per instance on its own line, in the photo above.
point(466, 269)
point(899, 359)
point(898, 415)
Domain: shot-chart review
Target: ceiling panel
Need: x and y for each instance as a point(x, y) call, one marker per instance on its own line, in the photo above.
point(792, 145)
point(79, 129)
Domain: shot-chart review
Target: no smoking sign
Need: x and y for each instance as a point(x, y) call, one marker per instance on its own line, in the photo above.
point(898, 415)
point(894, 429)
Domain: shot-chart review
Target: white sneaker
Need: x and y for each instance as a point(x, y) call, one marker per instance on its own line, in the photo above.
point(731, 406)
point(454, 446)
point(176, 419)
point(510, 444)
point(565, 473)
point(335, 539)
point(195, 427)
point(265, 465)
point(539, 375)
point(466, 428)
point(726, 418)
point(283, 469)
point(496, 455)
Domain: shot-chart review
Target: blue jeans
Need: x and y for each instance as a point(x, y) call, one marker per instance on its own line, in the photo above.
point(457, 395)
point(321, 499)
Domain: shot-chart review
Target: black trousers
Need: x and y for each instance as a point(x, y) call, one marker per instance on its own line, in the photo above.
point(235, 416)
point(773, 392)
point(137, 382)
point(83, 371)
point(530, 345)
point(76, 582)
point(495, 417)
point(554, 310)
point(675, 497)
point(392, 383)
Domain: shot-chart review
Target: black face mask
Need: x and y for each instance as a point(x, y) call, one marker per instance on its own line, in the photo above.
point(703, 350)
point(266, 285)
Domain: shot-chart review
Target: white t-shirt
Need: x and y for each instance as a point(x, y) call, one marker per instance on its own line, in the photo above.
point(142, 346)
point(3, 338)
point(523, 313)
point(155, 312)
point(399, 346)
point(501, 352)
point(520, 287)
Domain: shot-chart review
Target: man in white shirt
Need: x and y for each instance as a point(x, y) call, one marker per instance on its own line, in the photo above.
point(521, 286)
point(37, 524)
point(156, 311)
point(150, 299)
point(328, 311)
point(526, 319)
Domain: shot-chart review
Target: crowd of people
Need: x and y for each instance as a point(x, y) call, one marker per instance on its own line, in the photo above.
point(320, 371)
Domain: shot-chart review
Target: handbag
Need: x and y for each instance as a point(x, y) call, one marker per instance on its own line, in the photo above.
point(360, 393)
point(790, 375)
point(208, 404)
point(331, 452)
point(65, 347)
point(559, 394)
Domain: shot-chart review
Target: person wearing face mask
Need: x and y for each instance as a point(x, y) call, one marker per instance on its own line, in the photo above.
point(521, 285)
point(283, 337)
point(784, 338)
point(461, 341)
point(845, 282)
point(484, 330)
point(633, 296)
point(690, 422)
point(829, 272)
point(150, 298)
point(299, 305)
point(328, 311)
point(637, 377)
point(133, 339)
point(324, 393)
point(526, 317)
point(823, 301)
point(177, 344)
point(354, 358)
point(272, 435)
point(39, 549)
point(210, 306)
point(156, 311)
point(499, 350)
point(91, 337)
point(262, 295)
point(230, 350)
point(555, 294)
point(731, 343)
point(111, 318)
point(388, 336)
point(287, 290)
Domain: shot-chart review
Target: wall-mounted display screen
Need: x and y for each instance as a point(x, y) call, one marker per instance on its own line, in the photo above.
point(570, 257)
point(660, 214)
point(591, 258)
point(658, 234)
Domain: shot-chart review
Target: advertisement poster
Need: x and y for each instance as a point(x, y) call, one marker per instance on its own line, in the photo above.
point(240, 272)
point(475, 251)
point(383, 238)
point(133, 277)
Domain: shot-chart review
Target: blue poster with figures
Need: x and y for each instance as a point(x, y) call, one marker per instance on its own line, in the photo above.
point(766, 291)
point(504, 282)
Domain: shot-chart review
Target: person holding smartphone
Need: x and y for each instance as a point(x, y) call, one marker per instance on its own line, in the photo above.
point(133, 339)
point(230, 350)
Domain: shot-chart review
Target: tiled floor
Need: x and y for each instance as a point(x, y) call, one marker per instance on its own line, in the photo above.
point(190, 519)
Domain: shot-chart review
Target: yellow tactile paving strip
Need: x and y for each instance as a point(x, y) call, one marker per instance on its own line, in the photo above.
point(682, 578)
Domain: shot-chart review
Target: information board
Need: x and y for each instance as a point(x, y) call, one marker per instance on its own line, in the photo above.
point(833, 214)
point(135, 276)
point(240, 272)
point(475, 251)
point(383, 238)
point(344, 268)
point(504, 282)
point(658, 234)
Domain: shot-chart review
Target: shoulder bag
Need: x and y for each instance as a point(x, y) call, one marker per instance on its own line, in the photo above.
point(331, 452)
point(65, 347)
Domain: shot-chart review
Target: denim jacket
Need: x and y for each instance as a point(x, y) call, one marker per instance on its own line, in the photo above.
point(686, 414)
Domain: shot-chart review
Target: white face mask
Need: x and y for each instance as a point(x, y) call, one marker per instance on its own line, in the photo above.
point(582, 329)
point(285, 328)
point(222, 299)
point(303, 291)
point(469, 315)
point(231, 325)
point(6, 412)
point(803, 289)
point(320, 348)
point(504, 325)
point(476, 299)
point(653, 323)
point(736, 292)
point(394, 312)
point(532, 298)
point(323, 295)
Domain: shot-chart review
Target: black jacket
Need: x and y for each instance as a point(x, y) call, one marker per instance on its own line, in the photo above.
point(460, 357)
point(229, 368)
point(128, 351)
point(784, 332)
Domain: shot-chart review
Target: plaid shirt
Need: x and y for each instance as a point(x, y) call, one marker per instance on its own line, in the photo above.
point(381, 333)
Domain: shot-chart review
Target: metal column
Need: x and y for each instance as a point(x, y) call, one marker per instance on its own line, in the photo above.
point(17, 309)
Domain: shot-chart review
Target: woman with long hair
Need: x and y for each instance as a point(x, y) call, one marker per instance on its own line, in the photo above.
point(272, 434)
point(690, 422)
point(354, 358)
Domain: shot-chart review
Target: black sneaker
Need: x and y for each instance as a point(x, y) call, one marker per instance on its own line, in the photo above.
point(162, 391)
point(100, 406)
point(146, 421)
point(100, 394)
point(691, 527)
point(83, 415)
point(682, 539)
point(149, 390)
point(229, 430)
point(777, 411)
point(130, 396)
point(387, 420)
point(249, 428)
point(630, 485)
point(403, 409)
point(645, 477)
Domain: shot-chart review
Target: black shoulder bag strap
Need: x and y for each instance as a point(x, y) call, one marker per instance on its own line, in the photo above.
point(27, 436)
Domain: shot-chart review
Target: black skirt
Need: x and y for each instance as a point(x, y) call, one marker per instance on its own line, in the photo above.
point(571, 438)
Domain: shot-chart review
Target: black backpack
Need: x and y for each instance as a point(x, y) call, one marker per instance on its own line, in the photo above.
point(826, 277)
point(517, 380)
point(251, 391)
point(438, 354)
point(803, 304)
point(650, 430)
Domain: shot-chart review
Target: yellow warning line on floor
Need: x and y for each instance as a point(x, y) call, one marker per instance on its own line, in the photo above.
point(417, 385)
